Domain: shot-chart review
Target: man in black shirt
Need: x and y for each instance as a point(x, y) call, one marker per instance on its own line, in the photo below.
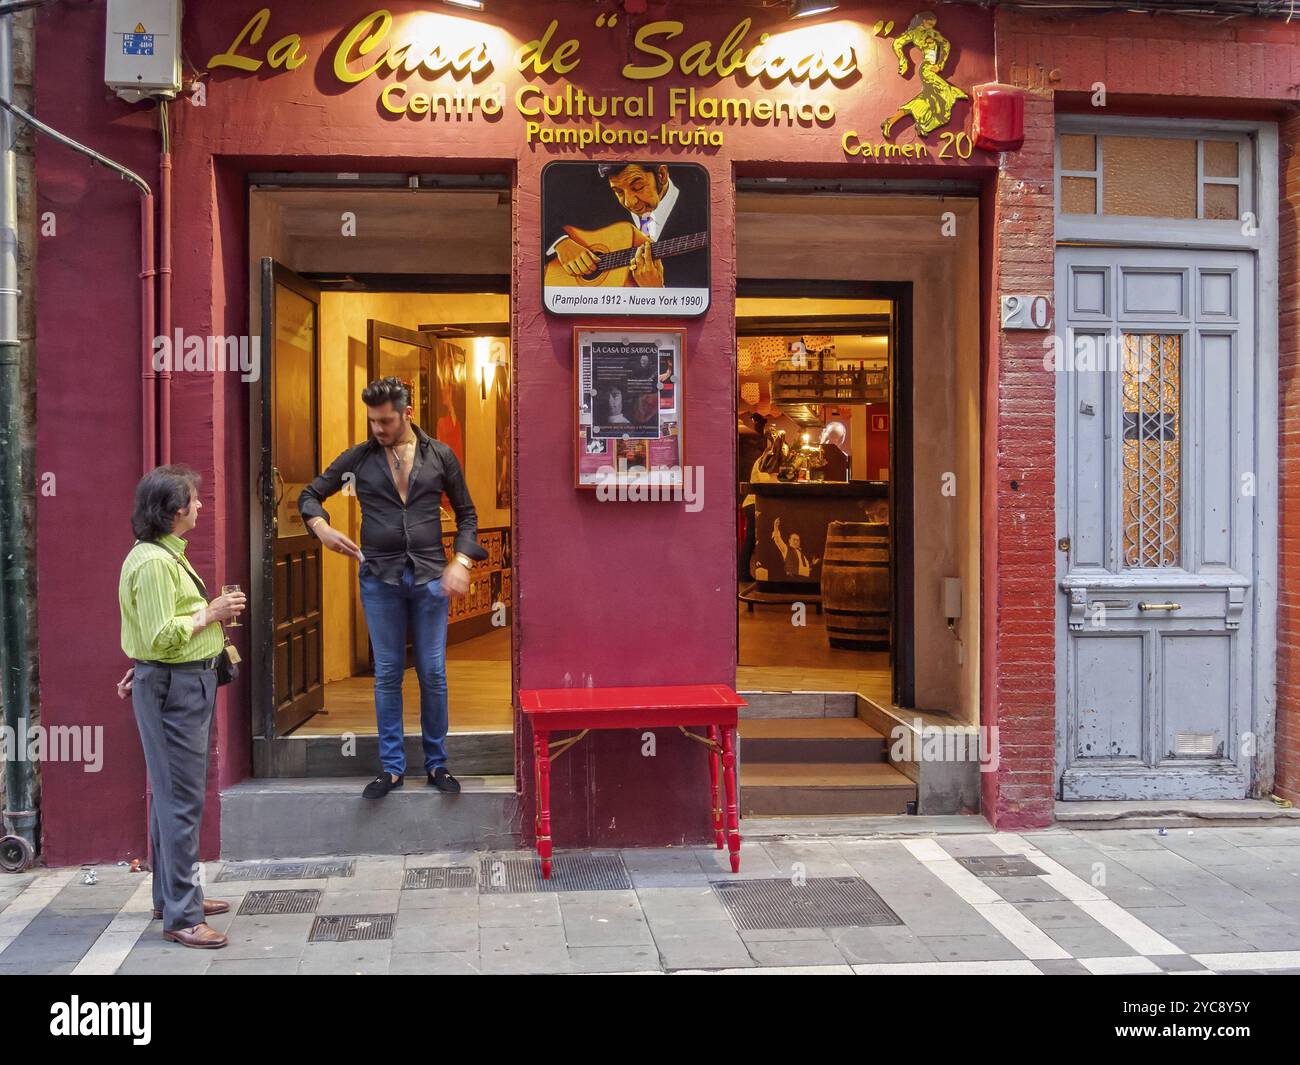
point(400, 475)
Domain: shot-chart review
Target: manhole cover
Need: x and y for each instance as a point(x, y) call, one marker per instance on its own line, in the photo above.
point(296, 900)
point(819, 902)
point(569, 872)
point(439, 876)
point(1001, 865)
point(285, 870)
point(351, 927)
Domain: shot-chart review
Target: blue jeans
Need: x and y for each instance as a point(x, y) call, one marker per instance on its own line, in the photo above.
point(391, 611)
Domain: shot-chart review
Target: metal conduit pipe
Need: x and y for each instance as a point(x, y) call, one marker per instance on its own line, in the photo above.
point(15, 676)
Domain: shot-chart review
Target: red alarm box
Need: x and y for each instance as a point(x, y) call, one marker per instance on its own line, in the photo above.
point(999, 117)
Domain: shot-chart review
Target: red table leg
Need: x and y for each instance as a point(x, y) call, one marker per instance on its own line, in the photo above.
point(542, 755)
point(715, 800)
point(729, 776)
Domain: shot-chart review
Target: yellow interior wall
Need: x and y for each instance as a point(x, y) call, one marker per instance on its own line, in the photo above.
point(343, 374)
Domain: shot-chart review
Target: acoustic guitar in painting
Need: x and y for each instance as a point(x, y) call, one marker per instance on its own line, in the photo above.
point(614, 247)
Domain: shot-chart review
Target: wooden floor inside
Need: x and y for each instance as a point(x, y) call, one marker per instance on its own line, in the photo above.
point(775, 656)
point(479, 696)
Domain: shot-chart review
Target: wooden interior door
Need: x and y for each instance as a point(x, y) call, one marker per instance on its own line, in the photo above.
point(290, 675)
point(394, 351)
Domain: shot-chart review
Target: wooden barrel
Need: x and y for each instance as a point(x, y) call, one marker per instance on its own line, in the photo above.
point(855, 585)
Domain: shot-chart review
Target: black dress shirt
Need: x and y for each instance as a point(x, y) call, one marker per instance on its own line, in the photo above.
point(393, 532)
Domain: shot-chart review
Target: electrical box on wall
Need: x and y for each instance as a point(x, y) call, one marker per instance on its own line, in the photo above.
point(142, 48)
point(952, 598)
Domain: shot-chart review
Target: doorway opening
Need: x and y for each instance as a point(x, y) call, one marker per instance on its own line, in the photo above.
point(819, 367)
point(425, 297)
point(858, 377)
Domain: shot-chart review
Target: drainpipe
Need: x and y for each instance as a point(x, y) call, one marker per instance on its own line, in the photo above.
point(148, 378)
point(19, 802)
point(164, 284)
point(13, 557)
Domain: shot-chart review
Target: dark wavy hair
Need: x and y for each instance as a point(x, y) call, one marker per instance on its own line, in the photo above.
point(609, 170)
point(159, 495)
point(387, 390)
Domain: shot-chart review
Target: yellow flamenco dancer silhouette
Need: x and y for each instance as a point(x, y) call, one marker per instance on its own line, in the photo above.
point(932, 106)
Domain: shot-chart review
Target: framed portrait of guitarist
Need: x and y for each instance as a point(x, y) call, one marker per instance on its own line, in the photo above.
point(625, 237)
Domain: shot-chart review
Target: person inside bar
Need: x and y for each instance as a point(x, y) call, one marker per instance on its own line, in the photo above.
point(835, 462)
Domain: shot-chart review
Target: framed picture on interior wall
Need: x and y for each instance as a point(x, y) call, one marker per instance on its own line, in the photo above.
point(625, 237)
point(628, 406)
point(449, 396)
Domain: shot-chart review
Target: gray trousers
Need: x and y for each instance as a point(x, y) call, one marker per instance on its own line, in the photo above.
point(173, 710)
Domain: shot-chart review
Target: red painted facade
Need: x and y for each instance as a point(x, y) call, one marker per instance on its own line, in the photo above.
point(568, 548)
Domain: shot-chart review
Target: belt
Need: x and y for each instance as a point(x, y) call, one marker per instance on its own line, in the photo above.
point(200, 664)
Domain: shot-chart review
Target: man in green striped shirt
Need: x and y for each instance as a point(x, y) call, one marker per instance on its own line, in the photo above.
point(174, 636)
point(164, 617)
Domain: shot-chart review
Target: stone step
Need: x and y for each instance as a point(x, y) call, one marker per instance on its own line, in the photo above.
point(809, 739)
point(798, 704)
point(306, 817)
point(482, 754)
point(802, 790)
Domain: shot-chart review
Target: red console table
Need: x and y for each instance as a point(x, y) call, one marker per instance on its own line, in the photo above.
point(713, 707)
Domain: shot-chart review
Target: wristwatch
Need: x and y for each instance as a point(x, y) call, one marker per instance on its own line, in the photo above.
point(464, 560)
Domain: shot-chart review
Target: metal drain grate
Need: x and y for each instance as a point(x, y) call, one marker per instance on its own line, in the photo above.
point(1001, 865)
point(351, 927)
point(820, 902)
point(285, 870)
point(569, 872)
point(439, 876)
point(295, 900)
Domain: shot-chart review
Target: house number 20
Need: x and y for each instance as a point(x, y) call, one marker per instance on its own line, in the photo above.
point(1027, 312)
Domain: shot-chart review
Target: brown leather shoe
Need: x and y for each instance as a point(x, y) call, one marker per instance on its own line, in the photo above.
point(201, 935)
point(211, 907)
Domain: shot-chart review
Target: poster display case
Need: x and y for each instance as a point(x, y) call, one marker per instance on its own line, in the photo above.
point(628, 399)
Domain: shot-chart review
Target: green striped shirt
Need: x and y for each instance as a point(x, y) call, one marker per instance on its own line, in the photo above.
point(158, 600)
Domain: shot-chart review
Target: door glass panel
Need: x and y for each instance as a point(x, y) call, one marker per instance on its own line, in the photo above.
point(1220, 201)
point(410, 364)
point(1154, 177)
point(1078, 152)
point(1151, 385)
point(1219, 158)
point(1079, 195)
point(293, 445)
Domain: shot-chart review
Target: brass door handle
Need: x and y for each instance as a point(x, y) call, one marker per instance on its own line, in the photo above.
point(1159, 606)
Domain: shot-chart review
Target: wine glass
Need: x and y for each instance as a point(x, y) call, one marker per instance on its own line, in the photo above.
point(228, 589)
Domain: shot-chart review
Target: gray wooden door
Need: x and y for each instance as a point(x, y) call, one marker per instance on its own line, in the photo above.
point(1155, 509)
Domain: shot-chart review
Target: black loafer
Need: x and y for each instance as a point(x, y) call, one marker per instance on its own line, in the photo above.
point(441, 779)
point(381, 786)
